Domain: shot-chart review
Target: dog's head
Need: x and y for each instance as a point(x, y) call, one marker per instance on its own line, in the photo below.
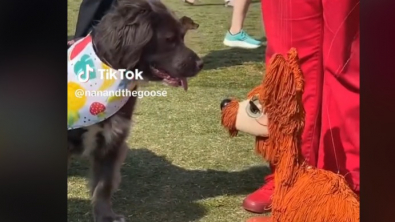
point(188, 23)
point(145, 35)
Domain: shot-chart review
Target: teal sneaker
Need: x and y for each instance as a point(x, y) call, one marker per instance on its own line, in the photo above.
point(241, 40)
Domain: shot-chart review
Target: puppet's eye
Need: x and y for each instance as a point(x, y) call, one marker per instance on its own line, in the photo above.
point(254, 98)
point(253, 110)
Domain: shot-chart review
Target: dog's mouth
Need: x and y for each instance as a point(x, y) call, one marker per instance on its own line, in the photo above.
point(169, 80)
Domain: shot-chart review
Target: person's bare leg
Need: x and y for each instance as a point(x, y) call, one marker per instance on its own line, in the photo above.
point(240, 8)
point(236, 36)
point(190, 2)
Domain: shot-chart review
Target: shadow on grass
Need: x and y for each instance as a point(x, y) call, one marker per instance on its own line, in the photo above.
point(233, 56)
point(153, 189)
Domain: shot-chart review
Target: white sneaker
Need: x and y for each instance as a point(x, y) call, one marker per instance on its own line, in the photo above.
point(229, 3)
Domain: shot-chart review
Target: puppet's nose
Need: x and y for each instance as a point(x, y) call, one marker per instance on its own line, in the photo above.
point(224, 103)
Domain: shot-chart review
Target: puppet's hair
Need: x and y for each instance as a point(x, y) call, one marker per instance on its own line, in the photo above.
point(298, 196)
point(255, 91)
point(281, 96)
point(229, 115)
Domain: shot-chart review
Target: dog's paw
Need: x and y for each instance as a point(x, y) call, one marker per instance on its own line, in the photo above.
point(112, 218)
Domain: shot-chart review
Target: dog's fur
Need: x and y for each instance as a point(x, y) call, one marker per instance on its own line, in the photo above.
point(135, 34)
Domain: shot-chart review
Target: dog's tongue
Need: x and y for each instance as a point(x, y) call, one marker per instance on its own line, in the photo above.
point(184, 83)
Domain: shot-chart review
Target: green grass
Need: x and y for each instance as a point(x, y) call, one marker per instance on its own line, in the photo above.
point(182, 165)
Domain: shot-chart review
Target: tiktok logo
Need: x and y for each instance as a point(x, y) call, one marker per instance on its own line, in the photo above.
point(87, 73)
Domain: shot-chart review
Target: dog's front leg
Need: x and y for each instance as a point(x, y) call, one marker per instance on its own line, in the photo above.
point(105, 180)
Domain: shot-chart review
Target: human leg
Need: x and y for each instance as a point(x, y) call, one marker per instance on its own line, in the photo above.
point(339, 145)
point(238, 15)
point(236, 36)
point(296, 23)
point(90, 13)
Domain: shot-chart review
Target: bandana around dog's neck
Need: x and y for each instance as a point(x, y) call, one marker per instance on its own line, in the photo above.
point(92, 101)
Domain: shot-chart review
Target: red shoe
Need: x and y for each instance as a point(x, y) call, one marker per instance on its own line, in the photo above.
point(259, 219)
point(261, 200)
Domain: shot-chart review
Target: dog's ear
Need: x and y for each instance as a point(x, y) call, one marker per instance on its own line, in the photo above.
point(188, 23)
point(183, 19)
point(137, 28)
point(127, 29)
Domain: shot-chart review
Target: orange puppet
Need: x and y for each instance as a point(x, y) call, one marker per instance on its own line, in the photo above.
point(274, 113)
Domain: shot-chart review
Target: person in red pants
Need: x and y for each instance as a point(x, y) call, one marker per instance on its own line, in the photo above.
point(326, 35)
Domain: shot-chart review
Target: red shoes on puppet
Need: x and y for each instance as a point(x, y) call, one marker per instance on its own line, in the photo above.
point(260, 201)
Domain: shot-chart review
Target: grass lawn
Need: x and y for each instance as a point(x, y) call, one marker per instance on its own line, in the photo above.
point(182, 165)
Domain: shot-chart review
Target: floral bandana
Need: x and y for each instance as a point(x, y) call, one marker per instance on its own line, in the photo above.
point(85, 109)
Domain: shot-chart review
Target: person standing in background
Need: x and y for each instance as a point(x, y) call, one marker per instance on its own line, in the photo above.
point(236, 36)
point(90, 13)
point(326, 35)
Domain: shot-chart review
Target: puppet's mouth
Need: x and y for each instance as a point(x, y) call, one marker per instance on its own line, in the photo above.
point(169, 80)
point(263, 139)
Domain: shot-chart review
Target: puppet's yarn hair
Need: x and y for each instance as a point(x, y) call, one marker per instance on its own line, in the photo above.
point(320, 195)
point(229, 116)
point(302, 193)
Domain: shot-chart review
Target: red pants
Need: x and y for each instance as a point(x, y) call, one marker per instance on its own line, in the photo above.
point(326, 35)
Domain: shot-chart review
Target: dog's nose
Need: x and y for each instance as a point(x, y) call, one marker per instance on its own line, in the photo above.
point(199, 64)
point(224, 103)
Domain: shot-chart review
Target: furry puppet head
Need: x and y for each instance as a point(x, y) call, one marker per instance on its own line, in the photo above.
point(273, 110)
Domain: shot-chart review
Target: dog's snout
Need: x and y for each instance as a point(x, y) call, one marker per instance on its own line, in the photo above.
point(199, 64)
point(224, 103)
